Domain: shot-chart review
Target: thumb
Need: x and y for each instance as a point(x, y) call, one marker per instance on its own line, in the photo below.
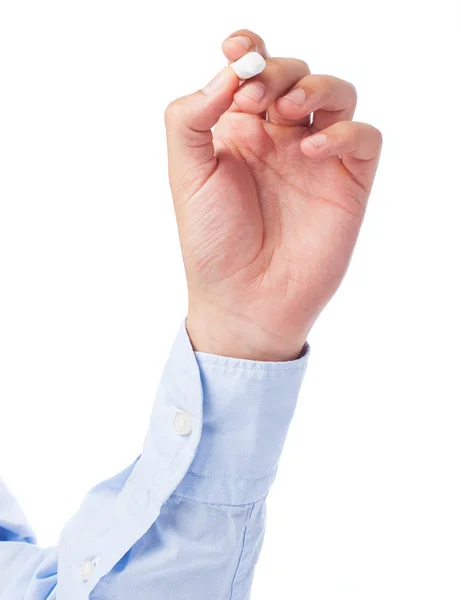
point(189, 120)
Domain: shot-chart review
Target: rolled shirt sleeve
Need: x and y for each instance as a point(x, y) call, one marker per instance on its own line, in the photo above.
point(247, 409)
point(186, 519)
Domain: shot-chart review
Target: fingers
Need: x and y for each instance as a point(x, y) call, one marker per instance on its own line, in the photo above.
point(189, 119)
point(188, 122)
point(358, 144)
point(242, 41)
point(330, 99)
point(258, 93)
point(279, 76)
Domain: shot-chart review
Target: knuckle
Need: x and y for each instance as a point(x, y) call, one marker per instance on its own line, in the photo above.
point(347, 129)
point(282, 65)
point(350, 128)
point(278, 68)
point(354, 89)
point(319, 84)
point(173, 109)
point(303, 64)
point(330, 86)
point(379, 135)
point(370, 131)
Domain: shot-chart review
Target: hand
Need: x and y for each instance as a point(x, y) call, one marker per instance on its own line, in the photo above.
point(268, 210)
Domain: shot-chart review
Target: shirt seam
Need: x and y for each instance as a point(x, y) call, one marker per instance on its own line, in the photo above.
point(216, 504)
point(267, 370)
point(241, 553)
point(231, 477)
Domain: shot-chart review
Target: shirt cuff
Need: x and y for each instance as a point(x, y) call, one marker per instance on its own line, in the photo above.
point(246, 409)
point(216, 433)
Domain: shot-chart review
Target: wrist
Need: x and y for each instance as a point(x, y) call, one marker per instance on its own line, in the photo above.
point(228, 335)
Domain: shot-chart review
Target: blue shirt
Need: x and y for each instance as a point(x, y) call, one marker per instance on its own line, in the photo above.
point(184, 521)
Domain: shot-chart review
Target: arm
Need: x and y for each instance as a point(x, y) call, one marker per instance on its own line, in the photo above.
point(187, 518)
point(268, 212)
point(20, 557)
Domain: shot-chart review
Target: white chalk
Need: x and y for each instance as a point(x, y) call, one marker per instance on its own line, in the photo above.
point(249, 65)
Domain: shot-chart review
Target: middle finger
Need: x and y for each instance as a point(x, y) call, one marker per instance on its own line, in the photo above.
point(281, 74)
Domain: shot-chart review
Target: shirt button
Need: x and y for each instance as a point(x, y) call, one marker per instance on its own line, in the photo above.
point(182, 423)
point(85, 568)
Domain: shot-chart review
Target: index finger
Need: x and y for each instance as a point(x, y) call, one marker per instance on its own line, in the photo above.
point(241, 42)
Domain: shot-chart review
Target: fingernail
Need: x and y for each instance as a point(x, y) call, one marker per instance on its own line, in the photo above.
point(297, 96)
point(217, 82)
point(249, 65)
point(317, 140)
point(254, 90)
point(242, 40)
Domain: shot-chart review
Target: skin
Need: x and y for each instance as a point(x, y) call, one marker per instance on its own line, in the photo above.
point(268, 212)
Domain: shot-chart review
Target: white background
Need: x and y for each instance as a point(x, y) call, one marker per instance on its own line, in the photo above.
point(368, 496)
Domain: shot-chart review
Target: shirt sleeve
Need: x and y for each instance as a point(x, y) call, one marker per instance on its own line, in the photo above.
point(187, 518)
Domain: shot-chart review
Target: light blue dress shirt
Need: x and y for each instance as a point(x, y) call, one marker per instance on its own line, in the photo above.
point(186, 520)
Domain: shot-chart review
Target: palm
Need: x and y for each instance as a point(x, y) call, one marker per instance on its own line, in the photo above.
point(270, 225)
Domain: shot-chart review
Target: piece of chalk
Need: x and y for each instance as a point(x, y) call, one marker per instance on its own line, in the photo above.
point(249, 65)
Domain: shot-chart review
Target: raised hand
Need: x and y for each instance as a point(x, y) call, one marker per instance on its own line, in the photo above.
point(269, 203)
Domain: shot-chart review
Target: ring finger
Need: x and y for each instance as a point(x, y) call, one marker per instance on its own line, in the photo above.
point(329, 98)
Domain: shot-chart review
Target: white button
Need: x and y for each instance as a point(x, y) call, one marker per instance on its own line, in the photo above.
point(85, 568)
point(182, 423)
